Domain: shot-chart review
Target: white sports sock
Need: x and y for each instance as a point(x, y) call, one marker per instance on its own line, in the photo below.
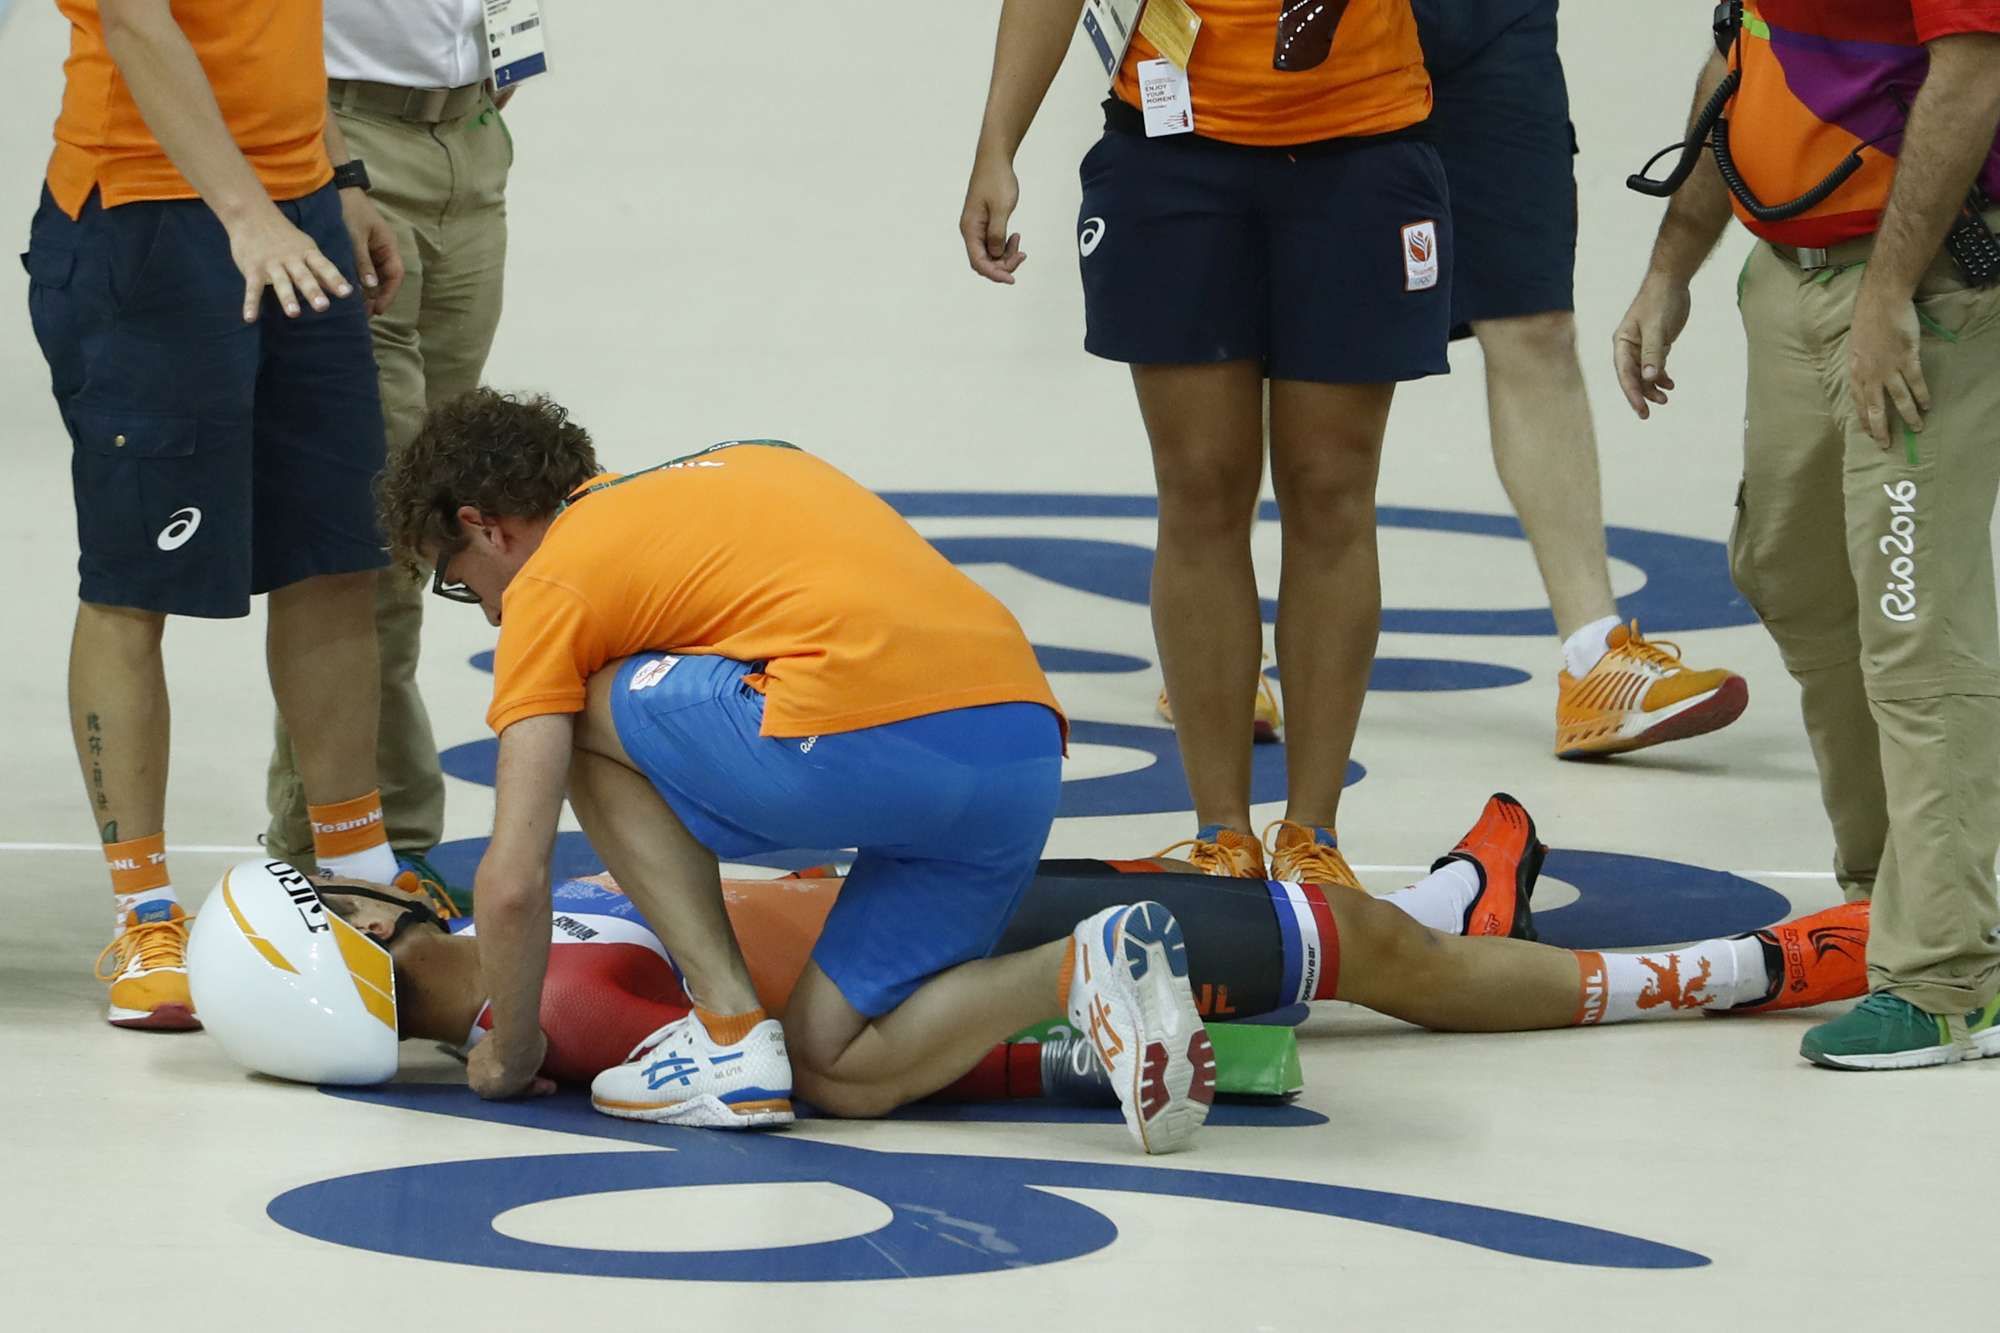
point(1714, 974)
point(1583, 649)
point(122, 903)
point(1440, 899)
point(375, 864)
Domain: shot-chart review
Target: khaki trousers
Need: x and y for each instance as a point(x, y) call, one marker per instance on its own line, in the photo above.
point(442, 187)
point(1873, 571)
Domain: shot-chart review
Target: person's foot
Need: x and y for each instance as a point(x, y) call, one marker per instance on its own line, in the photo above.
point(1129, 996)
point(1229, 854)
point(682, 1076)
point(146, 964)
point(1306, 855)
point(1812, 960)
point(1640, 693)
point(1265, 719)
point(1885, 1031)
point(1503, 849)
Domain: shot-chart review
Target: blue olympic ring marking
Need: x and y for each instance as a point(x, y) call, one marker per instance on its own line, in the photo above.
point(950, 1215)
point(1687, 578)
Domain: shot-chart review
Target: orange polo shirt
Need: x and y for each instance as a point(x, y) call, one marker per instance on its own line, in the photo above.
point(267, 68)
point(1372, 81)
point(762, 553)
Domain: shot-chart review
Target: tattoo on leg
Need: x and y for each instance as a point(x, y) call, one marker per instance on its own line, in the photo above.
point(94, 742)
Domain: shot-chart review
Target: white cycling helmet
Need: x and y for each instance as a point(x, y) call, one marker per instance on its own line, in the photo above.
point(286, 986)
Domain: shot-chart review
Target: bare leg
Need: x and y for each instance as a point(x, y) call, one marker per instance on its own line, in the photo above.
point(1205, 424)
point(673, 879)
point(1546, 454)
point(1450, 983)
point(118, 715)
point(320, 646)
point(1326, 449)
point(851, 1065)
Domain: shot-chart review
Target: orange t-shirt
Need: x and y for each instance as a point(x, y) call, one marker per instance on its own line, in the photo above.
point(266, 65)
point(1373, 80)
point(762, 553)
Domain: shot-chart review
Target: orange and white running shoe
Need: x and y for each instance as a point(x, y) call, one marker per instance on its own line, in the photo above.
point(1640, 693)
point(1303, 856)
point(1265, 720)
point(1813, 960)
point(146, 964)
point(1229, 854)
point(1503, 849)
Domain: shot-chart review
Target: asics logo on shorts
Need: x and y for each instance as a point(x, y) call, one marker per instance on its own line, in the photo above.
point(181, 526)
point(1092, 233)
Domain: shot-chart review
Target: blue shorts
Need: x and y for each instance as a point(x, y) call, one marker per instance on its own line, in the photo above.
point(211, 459)
point(1501, 123)
point(949, 812)
point(1196, 251)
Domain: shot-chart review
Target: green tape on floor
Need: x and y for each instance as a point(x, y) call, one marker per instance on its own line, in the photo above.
point(1251, 1060)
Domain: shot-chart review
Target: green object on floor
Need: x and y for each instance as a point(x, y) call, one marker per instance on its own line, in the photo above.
point(1251, 1060)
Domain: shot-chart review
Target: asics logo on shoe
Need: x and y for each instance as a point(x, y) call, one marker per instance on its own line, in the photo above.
point(181, 527)
point(672, 1069)
point(1109, 1045)
point(1899, 602)
point(1092, 233)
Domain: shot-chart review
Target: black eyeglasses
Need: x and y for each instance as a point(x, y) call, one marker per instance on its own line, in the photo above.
point(1305, 33)
point(450, 591)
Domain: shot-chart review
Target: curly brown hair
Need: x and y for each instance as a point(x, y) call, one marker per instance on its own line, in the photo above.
point(496, 452)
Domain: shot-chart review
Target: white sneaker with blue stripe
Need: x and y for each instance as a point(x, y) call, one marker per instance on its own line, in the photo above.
point(682, 1076)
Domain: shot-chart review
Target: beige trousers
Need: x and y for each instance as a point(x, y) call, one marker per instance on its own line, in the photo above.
point(1873, 571)
point(442, 187)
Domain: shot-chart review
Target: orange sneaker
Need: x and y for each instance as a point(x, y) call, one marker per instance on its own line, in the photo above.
point(1265, 720)
point(1231, 855)
point(1503, 848)
point(146, 964)
point(1814, 960)
point(1640, 693)
point(1298, 855)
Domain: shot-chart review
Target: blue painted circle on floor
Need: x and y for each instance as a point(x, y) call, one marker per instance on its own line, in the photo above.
point(1087, 660)
point(1419, 675)
point(1630, 902)
point(949, 1215)
point(1687, 583)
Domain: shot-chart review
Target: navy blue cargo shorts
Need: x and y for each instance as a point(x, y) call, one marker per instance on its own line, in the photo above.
point(212, 459)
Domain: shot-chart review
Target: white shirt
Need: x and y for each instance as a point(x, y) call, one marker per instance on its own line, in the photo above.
point(408, 43)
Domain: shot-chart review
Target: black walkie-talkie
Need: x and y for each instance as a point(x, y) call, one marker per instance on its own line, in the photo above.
point(1972, 245)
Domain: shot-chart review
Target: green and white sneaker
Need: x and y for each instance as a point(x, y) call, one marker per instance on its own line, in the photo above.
point(1885, 1032)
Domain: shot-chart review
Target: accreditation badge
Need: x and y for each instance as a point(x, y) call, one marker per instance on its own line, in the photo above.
point(1110, 25)
point(516, 43)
